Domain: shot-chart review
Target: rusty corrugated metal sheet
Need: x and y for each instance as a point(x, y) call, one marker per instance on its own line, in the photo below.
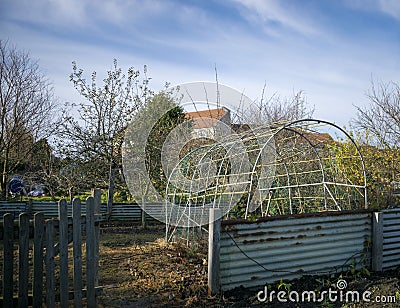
point(391, 238)
point(253, 254)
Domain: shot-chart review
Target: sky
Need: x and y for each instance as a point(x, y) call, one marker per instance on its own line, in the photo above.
point(330, 49)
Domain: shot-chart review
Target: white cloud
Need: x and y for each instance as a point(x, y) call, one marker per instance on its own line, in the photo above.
point(83, 13)
point(181, 43)
point(46, 11)
point(390, 7)
point(272, 12)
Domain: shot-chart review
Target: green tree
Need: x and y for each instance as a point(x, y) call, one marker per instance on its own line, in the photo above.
point(158, 135)
point(380, 167)
point(152, 142)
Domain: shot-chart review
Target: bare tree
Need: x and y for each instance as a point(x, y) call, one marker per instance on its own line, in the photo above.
point(274, 109)
point(378, 130)
point(93, 138)
point(381, 119)
point(27, 109)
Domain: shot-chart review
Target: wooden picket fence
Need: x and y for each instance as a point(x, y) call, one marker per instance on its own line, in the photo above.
point(39, 242)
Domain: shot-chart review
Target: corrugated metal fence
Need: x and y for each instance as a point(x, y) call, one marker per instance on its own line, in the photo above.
point(252, 254)
point(391, 238)
point(120, 211)
point(14, 208)
point(133, 212)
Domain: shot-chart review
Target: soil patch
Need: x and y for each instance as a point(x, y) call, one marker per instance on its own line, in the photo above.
point(138, 268)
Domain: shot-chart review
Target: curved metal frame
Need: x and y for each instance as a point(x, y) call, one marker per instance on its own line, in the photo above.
point(299, 128)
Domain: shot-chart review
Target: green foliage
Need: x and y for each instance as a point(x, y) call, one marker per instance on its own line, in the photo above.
point(363, 271)
point(284, 285)
point(158, 135)
point(359, 268)
point(382, 166)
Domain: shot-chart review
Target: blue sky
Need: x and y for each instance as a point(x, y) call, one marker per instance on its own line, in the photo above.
point(329, 49)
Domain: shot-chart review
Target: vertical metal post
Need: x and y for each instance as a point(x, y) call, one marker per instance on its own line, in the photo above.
point(214, 229)
point(377, 241)
point(110, 196)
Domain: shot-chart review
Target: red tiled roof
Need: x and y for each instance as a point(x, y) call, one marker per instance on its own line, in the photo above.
point(318, 137)
point(206, 118)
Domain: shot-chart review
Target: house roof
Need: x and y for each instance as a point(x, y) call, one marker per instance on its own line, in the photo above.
point(316, 138)
point(206, 118)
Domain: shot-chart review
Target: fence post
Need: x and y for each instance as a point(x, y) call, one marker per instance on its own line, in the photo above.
point(63, 230)
point(8, 248)
point(38, 260)
point(90, 252)
point(377, 241)
point(23, 261)
point(77, 251)
point(214, 228)
point(50, 297)
point(96, 194)
point(110, 196)
point(143, 215)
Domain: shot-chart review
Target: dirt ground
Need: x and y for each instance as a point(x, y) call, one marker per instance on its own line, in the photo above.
point(139, 269)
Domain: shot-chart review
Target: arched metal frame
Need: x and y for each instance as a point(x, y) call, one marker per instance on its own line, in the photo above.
point(289, 141)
